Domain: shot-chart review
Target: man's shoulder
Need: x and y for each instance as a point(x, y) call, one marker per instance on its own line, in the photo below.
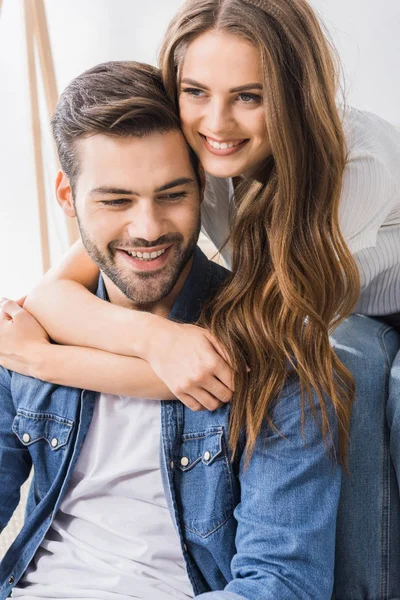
point(5, 379)
point(218, 276)
point(37, 396)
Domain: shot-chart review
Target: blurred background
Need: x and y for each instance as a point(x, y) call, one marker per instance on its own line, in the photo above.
point(85, 32)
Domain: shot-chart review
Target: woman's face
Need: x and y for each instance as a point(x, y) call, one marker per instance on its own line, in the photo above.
point(221, 105)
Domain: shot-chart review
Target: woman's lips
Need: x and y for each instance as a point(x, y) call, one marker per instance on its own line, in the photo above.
point(223, 151)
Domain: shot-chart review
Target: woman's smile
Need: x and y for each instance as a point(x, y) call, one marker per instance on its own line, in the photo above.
point(221, 103)
point(223, 147)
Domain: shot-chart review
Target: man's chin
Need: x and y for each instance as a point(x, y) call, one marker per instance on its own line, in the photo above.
point(146, 288)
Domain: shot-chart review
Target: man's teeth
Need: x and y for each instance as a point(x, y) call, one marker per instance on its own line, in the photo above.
point(224, 145)
point(147, 255)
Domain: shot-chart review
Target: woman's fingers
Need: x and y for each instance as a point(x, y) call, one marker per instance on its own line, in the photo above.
point(11, 308)
point(191, 403)
point(201, 400)
point(225, 375)
point(217, 389)
point(21, 301)
point(218, 347)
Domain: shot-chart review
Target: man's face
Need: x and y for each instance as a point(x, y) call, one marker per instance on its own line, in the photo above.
point(138, 207)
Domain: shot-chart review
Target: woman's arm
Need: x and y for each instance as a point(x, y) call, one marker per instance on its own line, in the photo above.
point(186, 358)
point(91, 369)
point(26, 348)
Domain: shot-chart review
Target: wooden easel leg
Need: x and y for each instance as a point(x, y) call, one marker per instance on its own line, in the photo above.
point(49, 79)
point(37, 142)
point(45, 55)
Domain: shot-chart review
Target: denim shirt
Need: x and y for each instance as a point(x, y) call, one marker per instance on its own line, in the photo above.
point(266, 532)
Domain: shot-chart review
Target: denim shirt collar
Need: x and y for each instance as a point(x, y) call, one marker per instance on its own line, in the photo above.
point(194, 292)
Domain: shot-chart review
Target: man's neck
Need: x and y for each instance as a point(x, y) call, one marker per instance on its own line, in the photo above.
point(161, 308)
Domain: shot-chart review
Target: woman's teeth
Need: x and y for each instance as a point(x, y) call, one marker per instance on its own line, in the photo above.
point(223, 145)
point(147, 255)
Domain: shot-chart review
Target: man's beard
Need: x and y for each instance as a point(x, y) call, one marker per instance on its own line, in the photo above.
point(143, 287)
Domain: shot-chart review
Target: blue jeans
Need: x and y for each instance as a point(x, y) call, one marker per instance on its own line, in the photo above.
point(368, 529)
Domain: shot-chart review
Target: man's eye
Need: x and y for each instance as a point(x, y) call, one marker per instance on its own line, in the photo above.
point(195, 92)
point(173, 196)
point(121, 202)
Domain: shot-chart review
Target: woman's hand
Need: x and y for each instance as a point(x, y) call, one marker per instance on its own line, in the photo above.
point(191, 363)
point(22, 338)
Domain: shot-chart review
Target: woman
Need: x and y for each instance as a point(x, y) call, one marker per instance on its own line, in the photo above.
point(255, 82)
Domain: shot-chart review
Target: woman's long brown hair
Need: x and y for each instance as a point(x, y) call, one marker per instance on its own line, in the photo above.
point(293, 276)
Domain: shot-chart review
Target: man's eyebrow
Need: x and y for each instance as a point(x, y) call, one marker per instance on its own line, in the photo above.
point(175, 183)
point(240, 88)
point(104, 189)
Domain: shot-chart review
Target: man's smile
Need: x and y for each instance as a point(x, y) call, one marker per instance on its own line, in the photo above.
point(146, 260)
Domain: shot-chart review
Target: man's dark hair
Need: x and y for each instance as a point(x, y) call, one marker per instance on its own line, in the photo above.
point(119, 99)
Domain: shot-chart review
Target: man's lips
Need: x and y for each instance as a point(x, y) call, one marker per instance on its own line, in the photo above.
point(146, 249)
point(143, 264)
point(223, 147)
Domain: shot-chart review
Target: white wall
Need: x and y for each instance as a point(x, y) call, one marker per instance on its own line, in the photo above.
point(86, 32)
point(367, 36)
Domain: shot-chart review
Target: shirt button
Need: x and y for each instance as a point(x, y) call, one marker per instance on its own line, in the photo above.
point(207, 455)
point(11, 580)
point(54, 442)
point(185, 547)
point(26, 438)
point(184, 461)
point(171, 465)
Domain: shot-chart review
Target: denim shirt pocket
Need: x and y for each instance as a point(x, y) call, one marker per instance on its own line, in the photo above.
point(204, 481)
point(47, 437)
point(32, 427)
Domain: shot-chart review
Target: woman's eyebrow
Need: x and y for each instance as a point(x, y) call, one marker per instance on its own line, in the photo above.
point(241, 88)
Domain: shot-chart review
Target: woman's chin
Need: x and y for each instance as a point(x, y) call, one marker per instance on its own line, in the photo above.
point(218, 169)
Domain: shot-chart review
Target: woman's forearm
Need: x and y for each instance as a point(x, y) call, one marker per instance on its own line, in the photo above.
point(187, 358)
point(91, 369)
point(74, 316)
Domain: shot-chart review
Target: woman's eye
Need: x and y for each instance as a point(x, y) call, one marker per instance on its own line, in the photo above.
point(250, 98)
point(195, 92)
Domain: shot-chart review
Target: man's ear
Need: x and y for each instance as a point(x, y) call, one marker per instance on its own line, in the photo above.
point(64, 194)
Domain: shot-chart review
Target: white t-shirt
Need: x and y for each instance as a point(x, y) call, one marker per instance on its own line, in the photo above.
point(113, 537)
point(369, 209)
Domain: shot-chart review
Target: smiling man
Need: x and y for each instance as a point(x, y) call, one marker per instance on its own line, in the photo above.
point(131, 497)
point(142, 239)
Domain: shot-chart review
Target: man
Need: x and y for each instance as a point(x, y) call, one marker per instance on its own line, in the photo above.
point(133, 498)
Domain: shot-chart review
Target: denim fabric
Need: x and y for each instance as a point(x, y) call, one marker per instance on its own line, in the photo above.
point(262, 533)
point(368, 530)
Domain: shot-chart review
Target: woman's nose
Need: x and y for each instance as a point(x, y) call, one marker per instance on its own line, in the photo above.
point(218, 118)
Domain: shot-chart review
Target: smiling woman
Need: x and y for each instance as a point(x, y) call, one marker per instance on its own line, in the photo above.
point(220, 118)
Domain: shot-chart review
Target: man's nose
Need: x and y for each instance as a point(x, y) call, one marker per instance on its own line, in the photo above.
point(146, 222)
